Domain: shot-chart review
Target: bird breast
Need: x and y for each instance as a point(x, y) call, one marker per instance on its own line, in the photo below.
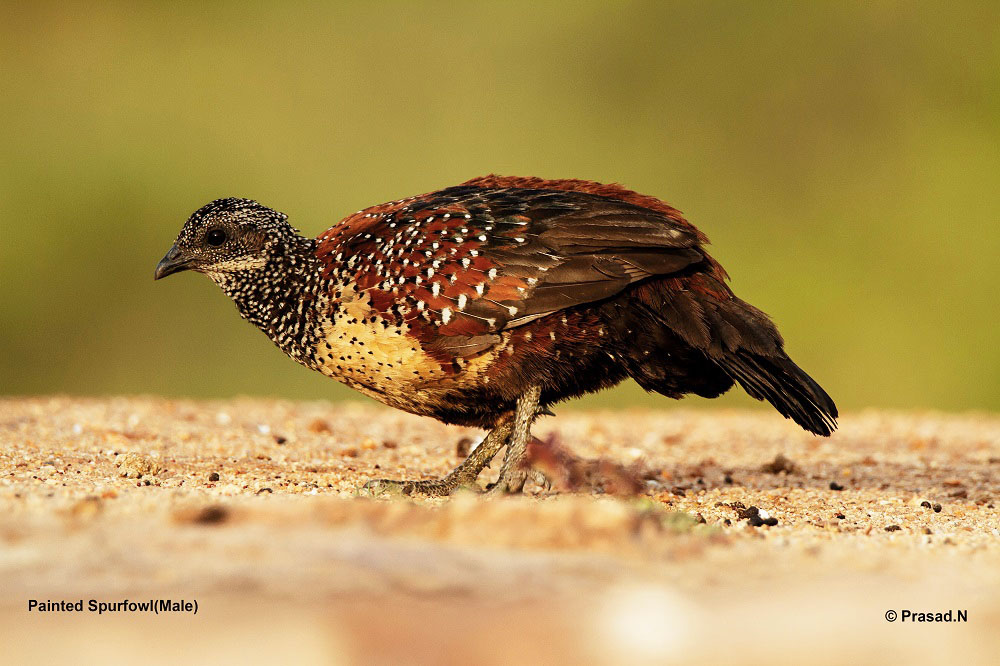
point(377, 356)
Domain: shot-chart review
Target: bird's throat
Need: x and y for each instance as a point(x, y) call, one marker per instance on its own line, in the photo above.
point(286, 298)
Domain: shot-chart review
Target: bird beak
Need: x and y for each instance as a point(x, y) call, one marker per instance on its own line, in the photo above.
point(171, 263)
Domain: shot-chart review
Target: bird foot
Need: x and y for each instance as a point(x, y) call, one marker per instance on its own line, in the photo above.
point(513, 483)
point(463, 476)
point(395, 489)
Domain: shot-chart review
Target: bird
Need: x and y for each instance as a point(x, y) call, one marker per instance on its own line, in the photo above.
point(485, 303)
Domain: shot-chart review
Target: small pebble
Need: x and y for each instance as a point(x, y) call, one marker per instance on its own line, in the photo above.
point(893, 528)
point(318, 426)
point(937, 508)
point(780, 464)
point(211, 515)
point(86, 508)
point(755, 516)
point(463, 447)
point(135, 465)
point(835, 486)
point(214, 476)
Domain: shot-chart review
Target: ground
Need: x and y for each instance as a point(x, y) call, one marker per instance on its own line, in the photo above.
point(656, 545)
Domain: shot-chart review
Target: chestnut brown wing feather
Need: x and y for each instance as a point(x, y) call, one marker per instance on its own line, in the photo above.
point(462, 264)
point(581, 248)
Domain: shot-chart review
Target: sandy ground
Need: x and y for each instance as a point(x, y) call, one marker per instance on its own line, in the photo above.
point(657, 545)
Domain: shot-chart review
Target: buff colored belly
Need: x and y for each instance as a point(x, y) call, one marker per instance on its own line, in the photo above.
point(385, 363)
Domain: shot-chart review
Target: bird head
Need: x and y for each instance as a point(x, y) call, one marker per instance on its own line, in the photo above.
point(228, 236)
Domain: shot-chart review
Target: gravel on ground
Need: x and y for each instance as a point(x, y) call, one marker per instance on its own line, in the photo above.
point(672, 536)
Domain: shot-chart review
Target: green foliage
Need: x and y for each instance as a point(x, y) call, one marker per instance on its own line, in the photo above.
point(842, 156)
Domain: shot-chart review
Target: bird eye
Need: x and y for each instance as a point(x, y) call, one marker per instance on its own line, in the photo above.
point(215, 237)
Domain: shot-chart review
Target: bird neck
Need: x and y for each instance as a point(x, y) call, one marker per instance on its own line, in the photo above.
point(285, 298)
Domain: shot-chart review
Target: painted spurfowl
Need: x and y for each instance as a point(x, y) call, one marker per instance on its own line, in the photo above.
point(484, 303)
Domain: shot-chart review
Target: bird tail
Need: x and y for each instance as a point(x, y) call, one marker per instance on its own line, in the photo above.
point(778, 380)
point(708, 339)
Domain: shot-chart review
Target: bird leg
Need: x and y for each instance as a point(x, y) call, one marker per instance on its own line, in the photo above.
point(512, 474)
point(462, 476)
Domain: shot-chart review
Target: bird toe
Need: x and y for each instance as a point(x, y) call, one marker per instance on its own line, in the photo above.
point(386, 489)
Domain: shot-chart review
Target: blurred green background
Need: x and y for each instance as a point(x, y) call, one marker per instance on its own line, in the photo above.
point(843, 157)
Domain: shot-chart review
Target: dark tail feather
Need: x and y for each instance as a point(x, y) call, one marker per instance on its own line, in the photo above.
point(785, 385)
point(700, 338)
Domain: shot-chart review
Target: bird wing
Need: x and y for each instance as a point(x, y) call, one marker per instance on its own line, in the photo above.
point(461, 265)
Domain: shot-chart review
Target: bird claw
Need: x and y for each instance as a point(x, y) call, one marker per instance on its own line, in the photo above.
point(509, 486)
point(393, 489)
point(385, 489)
point(542, 480)
point(513, 483)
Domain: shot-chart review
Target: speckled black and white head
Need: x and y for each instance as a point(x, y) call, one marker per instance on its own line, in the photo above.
point(229, 236)
point(261, 262)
